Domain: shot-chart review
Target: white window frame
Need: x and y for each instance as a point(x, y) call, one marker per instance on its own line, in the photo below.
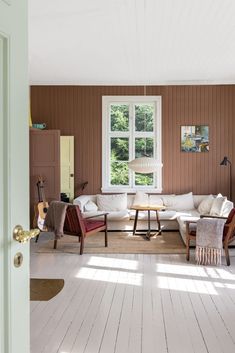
point(107, 133)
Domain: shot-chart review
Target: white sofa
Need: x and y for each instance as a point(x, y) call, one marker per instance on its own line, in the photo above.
point(170, 219)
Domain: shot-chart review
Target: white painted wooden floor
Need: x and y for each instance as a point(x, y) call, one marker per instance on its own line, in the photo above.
point(133, 304)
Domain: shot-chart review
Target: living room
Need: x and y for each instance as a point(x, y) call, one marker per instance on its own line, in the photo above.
point(144, 93)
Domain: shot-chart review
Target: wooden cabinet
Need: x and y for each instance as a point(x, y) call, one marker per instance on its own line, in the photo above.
point(45, 162)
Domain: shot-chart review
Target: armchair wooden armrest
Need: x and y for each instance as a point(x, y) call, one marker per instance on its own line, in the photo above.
point(209, 216)
point(98, 215)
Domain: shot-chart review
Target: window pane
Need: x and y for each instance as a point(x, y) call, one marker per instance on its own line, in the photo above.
point(119, 173)
point(143, 179)
point(143, 147)
point(119, 149)
point(144, 114)
point(119, 117)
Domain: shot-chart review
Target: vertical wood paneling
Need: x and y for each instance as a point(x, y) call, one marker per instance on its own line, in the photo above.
point(77, 110)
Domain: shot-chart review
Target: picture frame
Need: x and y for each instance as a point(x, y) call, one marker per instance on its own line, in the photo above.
point(195, 138)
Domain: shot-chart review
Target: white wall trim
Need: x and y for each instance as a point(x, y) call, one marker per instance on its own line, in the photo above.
point(106, 100)
point(131, 83)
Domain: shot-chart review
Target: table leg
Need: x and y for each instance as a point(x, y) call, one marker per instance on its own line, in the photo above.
point(135, 222)
point(159, 224)
point(148, 235)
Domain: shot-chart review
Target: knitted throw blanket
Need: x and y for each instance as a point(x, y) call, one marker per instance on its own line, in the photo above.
point(209, 241)
point(55, 218)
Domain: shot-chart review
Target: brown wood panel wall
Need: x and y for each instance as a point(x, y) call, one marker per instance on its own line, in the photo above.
point(44, 162)
point(77, 110)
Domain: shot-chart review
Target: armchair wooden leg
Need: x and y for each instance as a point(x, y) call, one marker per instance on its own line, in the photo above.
point(187, 248)
point(227, 254)
point(106, 237)
point(82, 244)
point(37, 237)
point(55, 244)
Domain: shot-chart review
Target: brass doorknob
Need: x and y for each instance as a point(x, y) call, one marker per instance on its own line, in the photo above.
point(22, 236)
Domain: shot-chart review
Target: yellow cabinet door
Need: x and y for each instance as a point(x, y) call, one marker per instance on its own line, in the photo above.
point(67, 165)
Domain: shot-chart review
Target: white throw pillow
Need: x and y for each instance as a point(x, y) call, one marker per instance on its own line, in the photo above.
point(168, 200)
point(90, 206)
point(115, 202)
point(179, 202)
point(141, 199)
point(205, 206)
point(228, 206)
point(218, 205)
point(155, 200)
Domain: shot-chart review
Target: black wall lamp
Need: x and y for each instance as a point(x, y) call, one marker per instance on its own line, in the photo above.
point(226, 162)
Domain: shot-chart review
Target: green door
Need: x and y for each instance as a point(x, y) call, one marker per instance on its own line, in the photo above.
point(14, 177)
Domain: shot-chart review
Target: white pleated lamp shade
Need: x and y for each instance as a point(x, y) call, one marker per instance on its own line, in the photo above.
point(144, 165)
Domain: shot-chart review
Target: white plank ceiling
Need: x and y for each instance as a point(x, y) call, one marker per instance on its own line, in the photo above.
point(132, 42)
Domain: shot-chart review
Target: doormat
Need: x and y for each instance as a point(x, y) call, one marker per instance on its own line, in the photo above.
point(43, 289)
point(118, 243)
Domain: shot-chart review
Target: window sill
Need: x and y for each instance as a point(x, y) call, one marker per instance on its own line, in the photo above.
point(120, 189)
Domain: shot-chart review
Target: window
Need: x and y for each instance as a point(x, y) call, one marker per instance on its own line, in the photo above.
point(131, 129)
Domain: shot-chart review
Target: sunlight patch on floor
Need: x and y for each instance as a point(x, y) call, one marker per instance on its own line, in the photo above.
point(224, 285)
point(104, 275)
point(225, 274)
point(181, 270)
point(186, 285)
point(113, 263)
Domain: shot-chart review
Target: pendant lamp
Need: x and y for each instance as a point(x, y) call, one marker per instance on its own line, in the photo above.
point(144, 165)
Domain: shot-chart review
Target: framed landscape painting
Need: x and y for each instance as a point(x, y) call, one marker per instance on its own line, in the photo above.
point(195, 138)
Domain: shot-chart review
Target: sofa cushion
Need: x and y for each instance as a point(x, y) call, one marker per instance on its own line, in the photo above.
point(142, 215)
point(82, 200)
point(130, 200)
point(163, 215)
point(90, 206)
point(197, 199)
point(141, 199)
point(228, 206)
point(168, 215)
point(115, 202)
point(119, 216)
point(179, 202)
point(112, 216)
point(218, 205)
point(205, 206)
point(155, 200)
point(168, 200)
point(192, 215)
point(91, 225)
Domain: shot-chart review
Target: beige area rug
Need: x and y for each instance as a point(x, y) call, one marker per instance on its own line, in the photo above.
point(118, 243)
point(44, 289)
